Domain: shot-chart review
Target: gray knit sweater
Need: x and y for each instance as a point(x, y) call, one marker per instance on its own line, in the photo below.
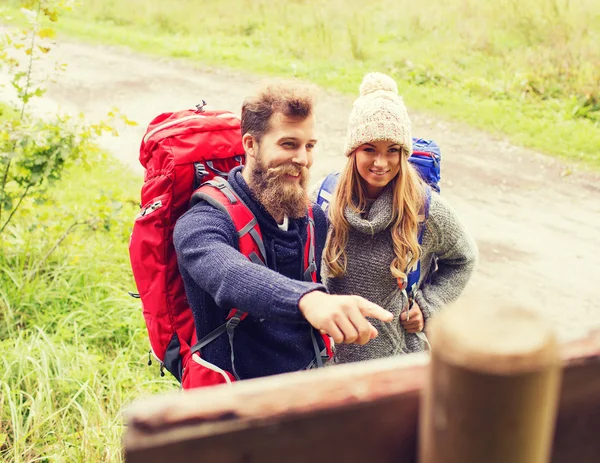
point(369, 254)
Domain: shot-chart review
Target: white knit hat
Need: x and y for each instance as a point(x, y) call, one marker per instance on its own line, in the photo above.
point(378, 114)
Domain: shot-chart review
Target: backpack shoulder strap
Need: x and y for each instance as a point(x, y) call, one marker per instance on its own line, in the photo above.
point(310, 274)
point(219, 194)
point(414, 276)
point(310, 267)
point(426, 204)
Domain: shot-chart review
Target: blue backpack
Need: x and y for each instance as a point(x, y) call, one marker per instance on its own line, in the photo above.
point(426, 158)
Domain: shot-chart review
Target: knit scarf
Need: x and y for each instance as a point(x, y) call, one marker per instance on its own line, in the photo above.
point(379, 215)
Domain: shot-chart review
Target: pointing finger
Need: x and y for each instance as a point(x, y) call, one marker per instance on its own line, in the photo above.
point(368, 309)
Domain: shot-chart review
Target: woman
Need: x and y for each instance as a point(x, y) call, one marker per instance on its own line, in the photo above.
point(377, 210)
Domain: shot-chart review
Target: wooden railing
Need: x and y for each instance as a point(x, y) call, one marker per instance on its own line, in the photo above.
point(365, 412)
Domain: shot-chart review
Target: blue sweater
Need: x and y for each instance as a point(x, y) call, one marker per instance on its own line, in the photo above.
point(275, 337)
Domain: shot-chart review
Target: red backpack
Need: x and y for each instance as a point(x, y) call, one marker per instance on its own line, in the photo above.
point(189, 154)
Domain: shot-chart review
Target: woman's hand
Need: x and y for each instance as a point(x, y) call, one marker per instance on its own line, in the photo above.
point(413, 322)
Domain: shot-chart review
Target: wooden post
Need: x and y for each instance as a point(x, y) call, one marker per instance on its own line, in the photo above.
point(578, 422)
point(492, 389)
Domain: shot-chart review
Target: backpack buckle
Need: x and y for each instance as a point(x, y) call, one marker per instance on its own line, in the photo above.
point(233, 322)
point(200, 107)
point(201, 172)
point(224, 188)
point(402, 283)
point(312, 267)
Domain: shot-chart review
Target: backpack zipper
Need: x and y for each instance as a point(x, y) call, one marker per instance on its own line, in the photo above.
point(166, 125)
point(423, 154)
point(149, 209)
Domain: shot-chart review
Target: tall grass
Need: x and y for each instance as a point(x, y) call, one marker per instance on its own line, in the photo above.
point(506, 41)
point(73, 347)
point(527, 68)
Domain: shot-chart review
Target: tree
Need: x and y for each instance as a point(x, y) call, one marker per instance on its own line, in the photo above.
point(34, 153)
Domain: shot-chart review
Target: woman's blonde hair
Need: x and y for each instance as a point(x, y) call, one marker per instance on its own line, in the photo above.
point(407, 213)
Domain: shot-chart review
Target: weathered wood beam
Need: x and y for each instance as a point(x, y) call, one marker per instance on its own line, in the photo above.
point(365, 412)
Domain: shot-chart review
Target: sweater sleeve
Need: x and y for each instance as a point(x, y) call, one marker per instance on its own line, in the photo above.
point(446, 238)
point(206, 250)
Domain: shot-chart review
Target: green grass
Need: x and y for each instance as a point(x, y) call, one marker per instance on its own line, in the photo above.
point(527, 69)
point(74, 348)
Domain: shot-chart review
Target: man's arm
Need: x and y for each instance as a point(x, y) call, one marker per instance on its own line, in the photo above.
point(206, 250)
point(204, 241)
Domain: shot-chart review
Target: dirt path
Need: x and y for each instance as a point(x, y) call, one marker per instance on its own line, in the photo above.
point(537, 230)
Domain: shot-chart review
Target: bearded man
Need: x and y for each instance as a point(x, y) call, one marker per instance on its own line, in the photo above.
point(286, 311)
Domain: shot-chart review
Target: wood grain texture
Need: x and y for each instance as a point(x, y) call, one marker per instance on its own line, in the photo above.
point(364, 412)
point(577, 433)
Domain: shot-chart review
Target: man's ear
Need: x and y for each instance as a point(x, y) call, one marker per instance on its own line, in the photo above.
point(250, 145)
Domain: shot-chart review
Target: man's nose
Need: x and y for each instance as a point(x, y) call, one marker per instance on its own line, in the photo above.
point(301, 157)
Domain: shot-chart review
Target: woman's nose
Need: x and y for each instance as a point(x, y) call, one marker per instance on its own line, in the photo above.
point(380, 161)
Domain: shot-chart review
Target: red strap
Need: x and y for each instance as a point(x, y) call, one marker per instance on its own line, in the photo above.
point(220, 194)
point(233, 312)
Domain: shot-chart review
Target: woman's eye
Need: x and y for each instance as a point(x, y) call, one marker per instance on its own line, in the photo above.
point(310, 146)
point(288, 144)
point(393, 150)
point(369, 150)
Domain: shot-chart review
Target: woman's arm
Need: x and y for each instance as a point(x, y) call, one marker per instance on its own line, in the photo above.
point(447, 238)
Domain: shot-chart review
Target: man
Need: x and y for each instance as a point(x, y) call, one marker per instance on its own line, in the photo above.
point(284, 310)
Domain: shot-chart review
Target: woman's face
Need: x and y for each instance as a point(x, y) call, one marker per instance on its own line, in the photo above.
point(377, 163)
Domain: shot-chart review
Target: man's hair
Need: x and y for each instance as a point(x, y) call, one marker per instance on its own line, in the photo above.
point(290, 98)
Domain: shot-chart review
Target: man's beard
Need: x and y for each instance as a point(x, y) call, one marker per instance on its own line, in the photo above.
point(280, 197)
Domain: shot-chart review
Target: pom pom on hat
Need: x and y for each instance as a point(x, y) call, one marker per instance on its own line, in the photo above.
point(375, 81)
point(378, 114)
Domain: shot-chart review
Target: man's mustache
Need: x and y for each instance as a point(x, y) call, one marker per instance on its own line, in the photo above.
point(287, 169)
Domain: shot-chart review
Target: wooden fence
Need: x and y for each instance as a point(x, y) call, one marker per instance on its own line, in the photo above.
point(368, 412)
